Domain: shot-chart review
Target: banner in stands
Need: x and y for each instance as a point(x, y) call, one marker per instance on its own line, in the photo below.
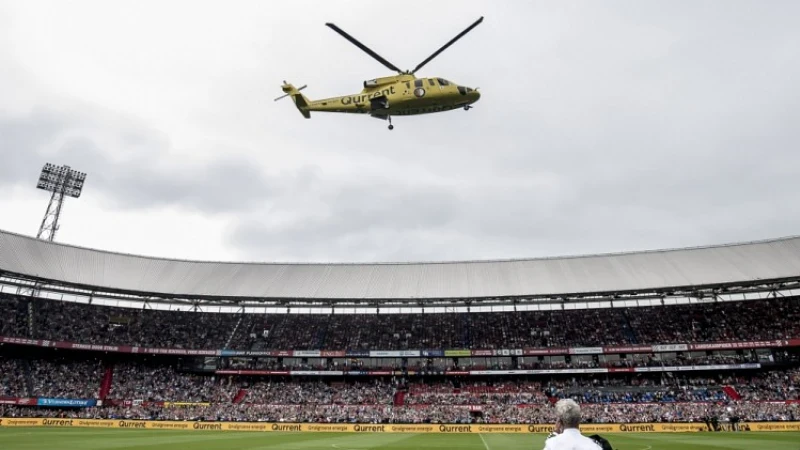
point(65, 402)
point(273, 353)
point(406, 353)
point(457, 353)
point(629, 349)
point(544, 351)
point(317, 372)
point(585, 350)
point(671, 348)
point(700, 367)
point(491, 372)
point(394, 354)
point(498, 352)
point(252, 372)
point(738, 345)
point(17, 401)
point(384, 428)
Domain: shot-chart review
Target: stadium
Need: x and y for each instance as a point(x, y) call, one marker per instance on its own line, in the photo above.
point(601, 253)
point(663, 349)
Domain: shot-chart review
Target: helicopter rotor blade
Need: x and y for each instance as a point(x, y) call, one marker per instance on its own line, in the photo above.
point(445, 46)
point(286, 95)
point(363, 47)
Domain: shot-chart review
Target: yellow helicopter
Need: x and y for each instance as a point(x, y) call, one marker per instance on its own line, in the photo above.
point(399, 95)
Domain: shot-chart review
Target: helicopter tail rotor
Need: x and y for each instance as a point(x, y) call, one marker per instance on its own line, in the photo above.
point(299, 99)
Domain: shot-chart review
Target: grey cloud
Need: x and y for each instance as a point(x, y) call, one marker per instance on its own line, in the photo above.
point(228, 185)
point(23, 142)
point(362, 218)
point(142, 178)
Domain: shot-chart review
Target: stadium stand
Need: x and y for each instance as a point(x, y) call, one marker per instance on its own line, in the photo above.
point(731, 321)
point(731, 349)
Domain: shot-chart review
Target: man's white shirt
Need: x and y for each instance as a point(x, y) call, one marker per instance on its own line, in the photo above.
point(570, 439)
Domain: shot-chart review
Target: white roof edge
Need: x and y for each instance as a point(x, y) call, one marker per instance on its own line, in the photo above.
point(649, 270)
point(405, 263)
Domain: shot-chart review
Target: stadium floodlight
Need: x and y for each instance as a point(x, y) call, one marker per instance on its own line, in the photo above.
point(60, 181)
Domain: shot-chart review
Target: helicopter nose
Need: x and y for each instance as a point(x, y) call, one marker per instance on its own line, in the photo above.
point(474, 95)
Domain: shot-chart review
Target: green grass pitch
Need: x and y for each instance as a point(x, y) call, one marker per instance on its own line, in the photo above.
point(50, 438)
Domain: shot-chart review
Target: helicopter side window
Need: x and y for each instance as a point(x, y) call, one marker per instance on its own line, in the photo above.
point(430, 81)
point(418, 83)
point(443, 82)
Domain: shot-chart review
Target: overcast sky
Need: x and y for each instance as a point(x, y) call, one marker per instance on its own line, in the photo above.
point(602, 126)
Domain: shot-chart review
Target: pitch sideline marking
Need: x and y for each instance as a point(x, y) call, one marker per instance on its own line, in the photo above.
point(484, 441)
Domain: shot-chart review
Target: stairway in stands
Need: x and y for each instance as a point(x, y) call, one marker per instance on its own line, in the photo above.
point(26, 369)
point(731, 392)
point(399, 398)
point(107, 381)
point(31, 312)
point(233, 333)
point(241, 331)
point(627, 329)
point(239, 397)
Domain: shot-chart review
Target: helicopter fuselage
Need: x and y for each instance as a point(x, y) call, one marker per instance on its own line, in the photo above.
point(401, 95)
point(398, 95)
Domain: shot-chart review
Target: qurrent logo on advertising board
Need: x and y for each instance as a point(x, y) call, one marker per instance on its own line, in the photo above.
point(455, 428)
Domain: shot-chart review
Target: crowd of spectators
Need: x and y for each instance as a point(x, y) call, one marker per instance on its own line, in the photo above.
point(12, 378)
point(538, 414)
point(771, 386)
point(746, 320)
point(318, 392)
point(64, 378)
point(475, 393)
point(163, 383)
point(50, 378)
point(91, 324)
point(14, 317)
point(774, 385)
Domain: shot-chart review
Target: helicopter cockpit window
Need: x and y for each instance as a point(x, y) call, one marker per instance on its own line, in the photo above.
point(418, 83)
point(443, 82)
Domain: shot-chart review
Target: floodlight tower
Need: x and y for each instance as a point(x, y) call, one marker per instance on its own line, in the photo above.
point(60, 181)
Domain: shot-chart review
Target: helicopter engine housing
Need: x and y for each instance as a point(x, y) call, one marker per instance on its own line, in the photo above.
point(383, 81)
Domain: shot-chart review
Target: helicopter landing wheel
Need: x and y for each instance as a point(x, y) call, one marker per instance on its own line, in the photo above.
point(391, 127)
point(467, 107)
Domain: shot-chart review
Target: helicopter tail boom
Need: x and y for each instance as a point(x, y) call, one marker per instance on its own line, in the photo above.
point(299, 99)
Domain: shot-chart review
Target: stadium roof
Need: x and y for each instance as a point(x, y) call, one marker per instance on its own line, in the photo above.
point(651, 271)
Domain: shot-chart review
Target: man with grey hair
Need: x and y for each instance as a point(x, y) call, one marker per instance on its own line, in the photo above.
point(567, 434)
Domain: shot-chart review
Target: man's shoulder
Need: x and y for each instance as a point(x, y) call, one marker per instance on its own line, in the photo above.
point(555, 442)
